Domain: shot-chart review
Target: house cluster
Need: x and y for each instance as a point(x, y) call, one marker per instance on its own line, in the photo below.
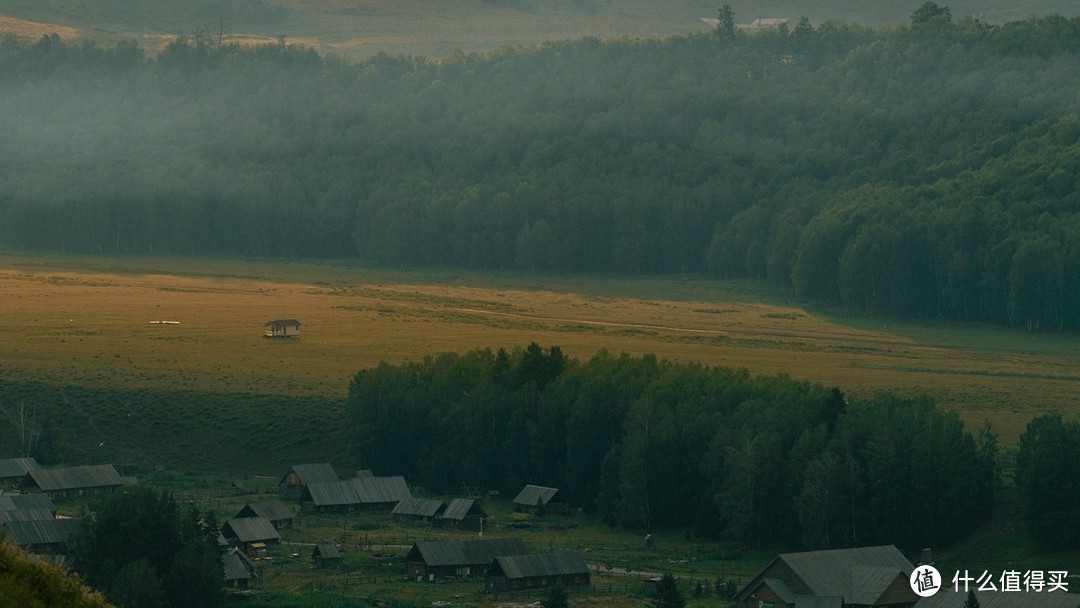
point(877, 577)
point(248, 534)
point(28, 516)
point(505, 564)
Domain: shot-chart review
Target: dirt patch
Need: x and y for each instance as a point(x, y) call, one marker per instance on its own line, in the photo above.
point(32, 29)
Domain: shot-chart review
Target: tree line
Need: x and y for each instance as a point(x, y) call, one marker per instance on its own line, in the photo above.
point(648, 443)
point(921, 171)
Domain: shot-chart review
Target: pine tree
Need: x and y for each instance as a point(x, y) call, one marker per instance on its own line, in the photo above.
point(667, 594)
point(556, 598)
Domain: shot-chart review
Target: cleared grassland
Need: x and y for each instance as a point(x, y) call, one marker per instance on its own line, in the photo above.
point(81, 321)
point(432, 28)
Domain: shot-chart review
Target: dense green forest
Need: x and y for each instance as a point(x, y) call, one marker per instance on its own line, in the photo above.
point(649, 443)
point(142, 549)
point(923, 171)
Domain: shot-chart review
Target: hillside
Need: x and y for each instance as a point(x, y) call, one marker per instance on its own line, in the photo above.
point(916, 172)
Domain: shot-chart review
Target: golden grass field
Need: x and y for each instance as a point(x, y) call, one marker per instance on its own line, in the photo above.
point(86, 321)
point(361, 28)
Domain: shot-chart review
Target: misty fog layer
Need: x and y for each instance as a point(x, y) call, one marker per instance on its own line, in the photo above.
point(925, 171)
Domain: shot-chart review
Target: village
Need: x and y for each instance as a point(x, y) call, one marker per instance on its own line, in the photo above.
point(370, 536)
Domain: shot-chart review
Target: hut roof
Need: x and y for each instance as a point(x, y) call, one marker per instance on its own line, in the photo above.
point(273, 510)
point(381, 489)
point(237, 566)
point(540, 564)
point(356, 491)
point(279, 323)
point(22, 502)
point(860, 575)
point(27, 515)
point(42, 532)
point(17, 467)
point(332, 493)
point(74, 478)
point(419, 507)
point(464, 553)
point(531, 495)
point(250, 529)
point(320, 472)
point(460, 508)
point(326, 551)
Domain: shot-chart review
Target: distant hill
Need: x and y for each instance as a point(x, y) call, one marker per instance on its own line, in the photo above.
point(435, 28)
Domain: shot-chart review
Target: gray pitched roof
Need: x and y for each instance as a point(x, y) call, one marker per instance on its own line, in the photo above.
point(76, 478)
point(251, 529)
point(381, 489)
point(459, 509)
point(42, 532)
point(17, 467)
point(278, 323)
point(780, 588)
point(27, 515)
point(852, 573)
point(419, 507)
point(21, 502)
point(540, 564)
point(326, 551)
point(364, 490)
point(531, 494)
point(947, 598)
point(860, 575)
point(237, 566)
point(320, 472)
point(273, 510)
point(333, 493)
point(869, 582)
point(464, 553)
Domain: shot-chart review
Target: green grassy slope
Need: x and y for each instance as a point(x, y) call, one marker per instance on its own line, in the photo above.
point(225, 433)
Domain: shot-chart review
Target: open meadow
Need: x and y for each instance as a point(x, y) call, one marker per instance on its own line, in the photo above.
point(362, 28)
point(89, 322)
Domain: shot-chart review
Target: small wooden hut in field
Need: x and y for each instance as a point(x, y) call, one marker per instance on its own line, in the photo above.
point(282, 328)
point(325, 554)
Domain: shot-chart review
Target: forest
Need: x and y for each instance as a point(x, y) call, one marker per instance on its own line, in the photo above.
point(653, 444)
point(919, 171)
